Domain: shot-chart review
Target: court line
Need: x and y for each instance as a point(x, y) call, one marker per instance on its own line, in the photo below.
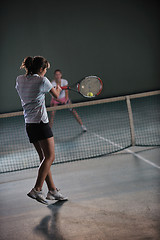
point(128, 151)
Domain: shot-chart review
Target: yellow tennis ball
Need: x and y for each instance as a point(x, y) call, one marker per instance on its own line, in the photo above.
point(90, 94)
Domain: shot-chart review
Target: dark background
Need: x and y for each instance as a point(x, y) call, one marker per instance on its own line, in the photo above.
point(116, 40)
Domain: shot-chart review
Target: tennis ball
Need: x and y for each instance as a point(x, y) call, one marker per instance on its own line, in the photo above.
point(90, 94)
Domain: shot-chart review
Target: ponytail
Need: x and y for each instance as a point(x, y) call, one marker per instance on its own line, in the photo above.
point(27, 65)
point(33, 65)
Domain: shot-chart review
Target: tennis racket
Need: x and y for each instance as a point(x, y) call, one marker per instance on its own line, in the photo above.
point(89, 87)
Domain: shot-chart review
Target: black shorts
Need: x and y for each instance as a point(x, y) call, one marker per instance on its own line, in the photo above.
point(38, 131)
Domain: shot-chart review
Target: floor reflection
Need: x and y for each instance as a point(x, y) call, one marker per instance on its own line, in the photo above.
point(49, 225)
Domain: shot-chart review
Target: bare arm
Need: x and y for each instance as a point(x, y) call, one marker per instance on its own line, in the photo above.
point(55, 91)
point(66, 95)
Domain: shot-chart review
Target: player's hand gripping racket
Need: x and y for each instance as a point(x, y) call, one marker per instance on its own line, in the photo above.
point(90, 86)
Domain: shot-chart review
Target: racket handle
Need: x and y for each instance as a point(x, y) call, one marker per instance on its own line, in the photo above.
point(65, 88)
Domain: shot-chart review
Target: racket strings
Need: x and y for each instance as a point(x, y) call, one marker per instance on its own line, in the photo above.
point(90, 84)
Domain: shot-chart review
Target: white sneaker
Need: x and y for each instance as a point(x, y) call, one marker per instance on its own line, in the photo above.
point(38, 195)
point(55, 195)
point(84, 128)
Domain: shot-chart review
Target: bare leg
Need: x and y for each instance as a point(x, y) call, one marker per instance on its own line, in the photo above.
point(75, 114)
point(48, 179)
point(51, 120)
point(77, 117)
point(47, 146)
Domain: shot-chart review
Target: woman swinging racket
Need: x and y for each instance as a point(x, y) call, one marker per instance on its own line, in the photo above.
point(31, 88)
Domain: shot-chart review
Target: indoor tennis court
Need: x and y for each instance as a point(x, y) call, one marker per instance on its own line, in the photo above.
point(94, 66)
point(111, 197)
point(113, 187)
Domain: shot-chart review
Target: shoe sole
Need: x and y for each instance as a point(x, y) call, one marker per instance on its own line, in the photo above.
point(38, 199)
point(64, 199)
point(31, 196)
point(59, 199)
point(42, 201)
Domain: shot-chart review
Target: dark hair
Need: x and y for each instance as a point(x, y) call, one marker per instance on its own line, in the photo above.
point(57, 70)
point(27, 64)
point(34, 64)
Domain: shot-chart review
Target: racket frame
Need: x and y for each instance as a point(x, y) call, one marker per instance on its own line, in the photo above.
point(78, 87)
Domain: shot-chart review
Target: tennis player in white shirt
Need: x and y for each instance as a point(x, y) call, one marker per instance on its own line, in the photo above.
point(62, 99)
point(32, 88)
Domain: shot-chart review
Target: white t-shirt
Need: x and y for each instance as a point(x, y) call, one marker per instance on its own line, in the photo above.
point(64, 82)
point(31, 90)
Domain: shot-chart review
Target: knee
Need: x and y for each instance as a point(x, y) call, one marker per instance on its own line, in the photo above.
point(51, 159)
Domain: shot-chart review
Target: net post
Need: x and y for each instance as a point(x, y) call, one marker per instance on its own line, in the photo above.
point(131, 123)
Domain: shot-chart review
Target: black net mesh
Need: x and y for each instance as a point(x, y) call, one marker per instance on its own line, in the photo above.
point(108, 131)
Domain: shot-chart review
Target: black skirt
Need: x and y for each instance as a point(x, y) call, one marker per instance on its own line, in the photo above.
point(38, 131)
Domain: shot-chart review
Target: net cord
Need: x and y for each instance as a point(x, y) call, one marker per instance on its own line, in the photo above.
point(130, 115)
point(88, 103)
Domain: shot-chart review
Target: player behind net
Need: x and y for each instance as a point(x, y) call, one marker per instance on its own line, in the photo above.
point(62, 99)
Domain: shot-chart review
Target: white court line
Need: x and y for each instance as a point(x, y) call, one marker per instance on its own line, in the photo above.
point(129, 151)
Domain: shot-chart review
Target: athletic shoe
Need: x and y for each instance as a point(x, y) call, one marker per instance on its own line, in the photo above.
point(55, 195)
point(38, 195)
point(84, 128)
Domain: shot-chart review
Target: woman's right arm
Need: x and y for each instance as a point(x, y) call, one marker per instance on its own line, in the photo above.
point(55, 91)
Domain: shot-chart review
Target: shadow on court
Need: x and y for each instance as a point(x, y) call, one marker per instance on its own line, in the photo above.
point(49, 225)
point(114, 197)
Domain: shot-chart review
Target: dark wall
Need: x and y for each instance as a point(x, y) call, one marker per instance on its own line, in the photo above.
point(116, 40)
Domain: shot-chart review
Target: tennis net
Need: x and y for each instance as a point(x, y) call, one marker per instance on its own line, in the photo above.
point(113, 124)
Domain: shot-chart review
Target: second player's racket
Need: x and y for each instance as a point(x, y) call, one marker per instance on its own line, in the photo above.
point(89, 87)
